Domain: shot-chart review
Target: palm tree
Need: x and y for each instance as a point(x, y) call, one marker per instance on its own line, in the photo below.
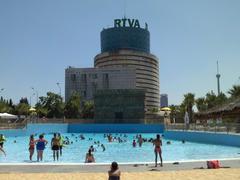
point(235, 91)
point(211, 100)
point(201, 104)
point(188, 102)
point(221, 99)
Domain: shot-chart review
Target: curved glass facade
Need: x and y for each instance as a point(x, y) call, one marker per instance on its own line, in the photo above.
point(114, 39)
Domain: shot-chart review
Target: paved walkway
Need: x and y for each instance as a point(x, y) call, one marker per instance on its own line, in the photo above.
point(88, 168)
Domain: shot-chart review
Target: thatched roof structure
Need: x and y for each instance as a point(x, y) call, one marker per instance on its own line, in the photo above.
point(228, 110)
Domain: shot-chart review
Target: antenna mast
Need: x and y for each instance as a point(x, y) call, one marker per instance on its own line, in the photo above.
point(124, 8)
point(218, 79)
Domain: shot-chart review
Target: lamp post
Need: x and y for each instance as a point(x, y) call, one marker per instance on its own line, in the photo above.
point(58, 84)
point(31, 99)
point(36, 94)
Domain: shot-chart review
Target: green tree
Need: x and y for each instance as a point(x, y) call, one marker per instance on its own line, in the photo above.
point(211, 100)
point(72, 107)
point(10, 103)
point(221, 99)
point(23, 100)
point(188, 103)
point(153, 110)
point(234, 91)
point(177, 113)
point(88, 109)
point(201, 104)
point(41, 111)
point(4, 107)
point(53, 103)
point(22, 109)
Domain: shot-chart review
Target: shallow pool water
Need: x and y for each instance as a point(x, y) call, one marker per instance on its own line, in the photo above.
point(17, 152)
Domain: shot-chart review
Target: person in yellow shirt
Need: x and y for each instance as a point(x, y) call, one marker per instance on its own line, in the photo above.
point(2, 140)
point(61, 140)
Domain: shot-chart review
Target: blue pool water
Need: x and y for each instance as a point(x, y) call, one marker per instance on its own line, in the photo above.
point(120, 152)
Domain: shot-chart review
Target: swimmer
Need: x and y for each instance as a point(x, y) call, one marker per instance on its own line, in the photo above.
point(134, 143)
point(1, 149)
point(82, 137)
point(157, 150)
point(92, 149)
point(89, 157)
point(61, 140)
point(2, 140)
point(40, 143)
point(140, 140)
point(55, 144)
point(168, 142)
point(110, 138)
point(31, 146)
point(103, 147)
point(183, 141)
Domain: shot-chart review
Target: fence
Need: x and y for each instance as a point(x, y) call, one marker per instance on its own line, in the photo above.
point(23, 123)
point(13, 125)
point(60, 120)
point(223, 127)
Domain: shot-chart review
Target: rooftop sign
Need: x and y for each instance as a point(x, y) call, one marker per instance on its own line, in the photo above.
point(134, 23)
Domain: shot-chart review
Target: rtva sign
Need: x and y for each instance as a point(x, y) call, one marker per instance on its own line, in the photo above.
point(134, 23)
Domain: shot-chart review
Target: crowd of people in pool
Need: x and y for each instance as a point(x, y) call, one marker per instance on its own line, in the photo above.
point(58, 142)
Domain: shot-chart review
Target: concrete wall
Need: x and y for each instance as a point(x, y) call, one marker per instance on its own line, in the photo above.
point(84, 128)
point(119, 128)
point(204, 137)
point(36, 128)
point(46, 128)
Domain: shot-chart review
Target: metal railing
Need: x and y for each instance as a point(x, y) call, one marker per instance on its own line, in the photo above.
point(13, 125)
point(217, 128)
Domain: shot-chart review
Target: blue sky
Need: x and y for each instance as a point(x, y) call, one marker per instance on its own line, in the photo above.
point(39, 39)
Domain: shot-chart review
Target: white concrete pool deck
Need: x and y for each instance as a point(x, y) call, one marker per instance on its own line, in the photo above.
point(104, 167)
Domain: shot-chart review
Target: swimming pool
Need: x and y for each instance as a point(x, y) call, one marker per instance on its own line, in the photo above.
point(17, 152)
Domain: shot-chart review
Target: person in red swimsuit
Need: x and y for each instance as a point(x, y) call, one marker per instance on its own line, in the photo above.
point(31, 147)
point(157, 150)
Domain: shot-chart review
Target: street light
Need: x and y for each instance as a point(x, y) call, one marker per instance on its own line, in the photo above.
point(58, 84)
point(36, 93)
point(31, 99)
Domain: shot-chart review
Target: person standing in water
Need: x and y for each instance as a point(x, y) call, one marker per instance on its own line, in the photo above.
point(157, 150)
point(134, 143)
point(2, 140)
point(31, 146)
point(55, 144)
point(1, 149)
point(61, 140)
point(140, 140)
point(40, 143)
point(89, 157)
